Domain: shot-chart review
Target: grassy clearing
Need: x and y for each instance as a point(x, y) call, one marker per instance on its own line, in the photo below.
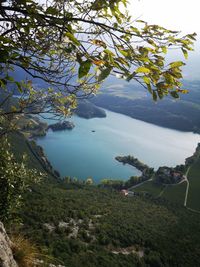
point(194, 189)
point(175, 193)
point(150, 187)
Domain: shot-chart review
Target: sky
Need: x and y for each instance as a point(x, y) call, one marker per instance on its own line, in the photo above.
point(174, 14)
point(182, 15)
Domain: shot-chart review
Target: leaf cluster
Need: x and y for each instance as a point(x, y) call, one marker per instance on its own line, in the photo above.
point(74, 46)
point(15, 178)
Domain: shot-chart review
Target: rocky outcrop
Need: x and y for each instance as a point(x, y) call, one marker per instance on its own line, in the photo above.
point(6, 256)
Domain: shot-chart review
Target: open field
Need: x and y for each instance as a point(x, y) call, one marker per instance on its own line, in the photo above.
point(150, 188)
point(194, 189)
point(175, 193)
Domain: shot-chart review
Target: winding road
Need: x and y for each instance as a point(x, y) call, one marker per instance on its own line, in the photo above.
point(187, 188)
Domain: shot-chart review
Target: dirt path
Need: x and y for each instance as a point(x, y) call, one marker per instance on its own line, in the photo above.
point(187, 188)
point(162, 191)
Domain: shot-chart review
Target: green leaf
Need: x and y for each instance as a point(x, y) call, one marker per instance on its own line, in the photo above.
point(154, 95)
point(52, 11)
point(125, 53)
point(185, 53)
point(15, 55)
point(98, 42)
point(130, 77)
point(9, 78)
point(174, 94)
point(134, 29)
point(176, 73)
point(146, 79)
point(149, 88)
point(3, 83)
point(104, 74)
point(164, 49)
point(110, 55)
point(13, 108)
point(151, 42)
point(84, 68)
point(107, 51)
point(142, 70)
point(176, 64)
point(162, 85)
point(4, 55)
point(169, 78)
point(72, 38)
point(192, 36)
point(160, 93)
point(141, 21)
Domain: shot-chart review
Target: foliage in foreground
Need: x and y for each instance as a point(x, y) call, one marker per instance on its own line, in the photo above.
point(24, 252)
point(15, 178)
point(73, 46)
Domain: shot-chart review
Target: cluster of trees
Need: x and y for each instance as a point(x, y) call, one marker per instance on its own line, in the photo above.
point(167, 175)
point(117, 222)
point(135, 162)
point(120, 184)
point(133, 180)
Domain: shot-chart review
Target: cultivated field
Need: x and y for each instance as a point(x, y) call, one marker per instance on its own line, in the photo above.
point(193, 201)
point(150, 188)
point(175, 193)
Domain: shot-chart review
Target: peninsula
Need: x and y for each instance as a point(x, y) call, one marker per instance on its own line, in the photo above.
point(65, 125)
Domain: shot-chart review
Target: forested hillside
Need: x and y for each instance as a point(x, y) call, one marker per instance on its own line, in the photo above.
point(181, 114)
point(86, 226)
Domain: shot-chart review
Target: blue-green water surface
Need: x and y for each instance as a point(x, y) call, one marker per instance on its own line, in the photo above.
point(89, 149)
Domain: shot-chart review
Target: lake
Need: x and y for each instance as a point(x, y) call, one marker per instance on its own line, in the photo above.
point(89, 150)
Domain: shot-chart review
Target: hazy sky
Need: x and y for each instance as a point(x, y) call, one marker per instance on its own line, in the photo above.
point(174, 14)
point(183, 15)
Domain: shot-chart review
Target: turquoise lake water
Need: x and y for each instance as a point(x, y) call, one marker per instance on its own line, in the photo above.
point(82, 153)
